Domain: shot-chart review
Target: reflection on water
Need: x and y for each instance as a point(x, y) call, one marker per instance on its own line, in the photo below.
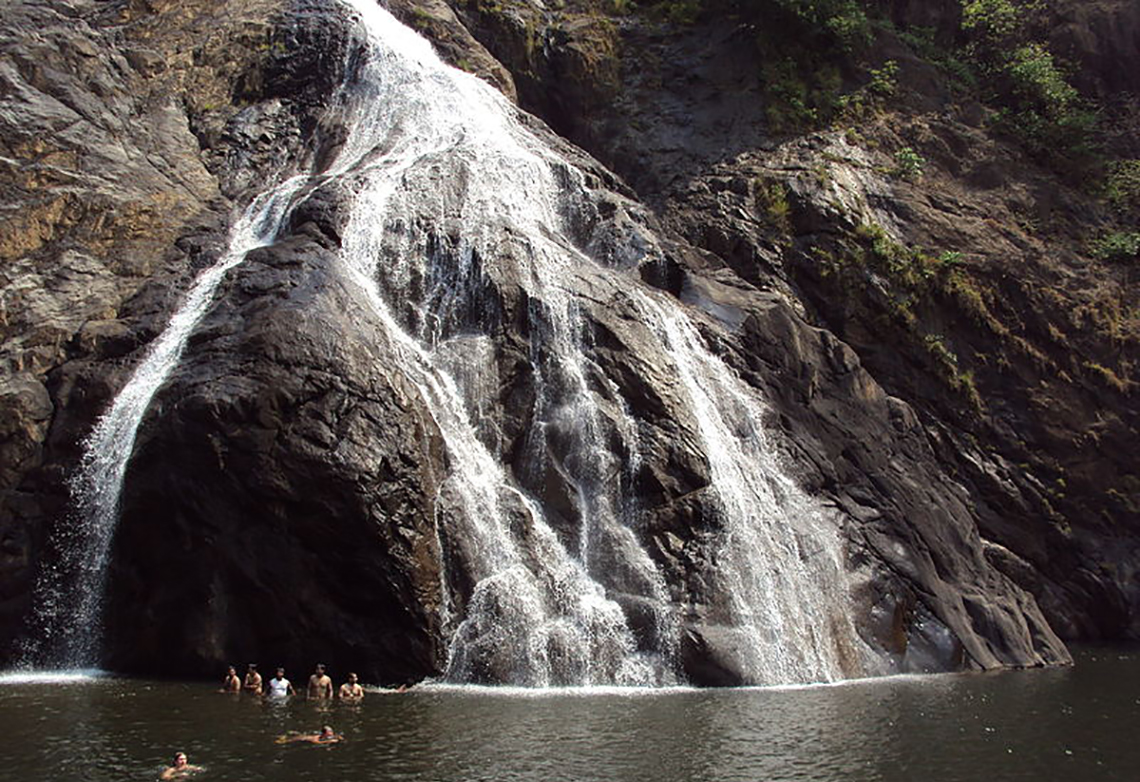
point(1063, 724)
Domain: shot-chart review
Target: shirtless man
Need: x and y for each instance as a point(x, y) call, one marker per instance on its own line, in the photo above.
point(320, 685)
point(232, 683)
point(279, 686)
point(180, 768)
point(326, 736)
point(351, 690)
point(252, 680)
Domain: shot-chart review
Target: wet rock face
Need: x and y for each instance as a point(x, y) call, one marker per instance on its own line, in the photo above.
point(89, 212)
point(262, 514)
point(925, 595)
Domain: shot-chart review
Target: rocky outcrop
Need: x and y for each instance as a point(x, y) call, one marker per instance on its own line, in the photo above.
point(315, 539)
point(1104, 39)
point(126, 129)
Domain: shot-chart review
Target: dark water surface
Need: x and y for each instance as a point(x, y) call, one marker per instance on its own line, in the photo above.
point(1073, 724)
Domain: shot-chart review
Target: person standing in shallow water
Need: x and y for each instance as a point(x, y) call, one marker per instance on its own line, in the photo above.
point(320, 685)
point(252, 680)
point(351, 690)
point(279, 686)
point(231, 683)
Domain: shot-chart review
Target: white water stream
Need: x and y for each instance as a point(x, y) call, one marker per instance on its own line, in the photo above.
point(445, 186)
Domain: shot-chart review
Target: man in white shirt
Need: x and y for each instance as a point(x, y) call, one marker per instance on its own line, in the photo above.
point(279, 686)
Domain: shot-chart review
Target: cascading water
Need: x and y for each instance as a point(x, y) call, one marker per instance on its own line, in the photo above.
point(70, 595)
point(459, 170)
point(448, 195)
point(781, 583)
point(535, 616)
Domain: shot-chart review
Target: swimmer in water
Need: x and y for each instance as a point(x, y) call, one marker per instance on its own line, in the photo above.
point(181, 767)
point(326, 736)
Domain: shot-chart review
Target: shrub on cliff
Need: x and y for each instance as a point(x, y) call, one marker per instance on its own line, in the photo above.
point(814, 24)
point(1122, 187)
point(810, 23)
point(1119, 246)
point(1035, 99)
point(807, 47)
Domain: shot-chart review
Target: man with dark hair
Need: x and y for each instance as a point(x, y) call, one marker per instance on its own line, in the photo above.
point(279, 686)
point(351, 690)
point(180, 768)
point(231, 683)
point(252, 680)
point(320, 685)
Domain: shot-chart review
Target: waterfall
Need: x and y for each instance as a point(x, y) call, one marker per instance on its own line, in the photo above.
point(462, 190)
point(453, 154)
point(777, 567)
point(69, 596)
point(447, 197)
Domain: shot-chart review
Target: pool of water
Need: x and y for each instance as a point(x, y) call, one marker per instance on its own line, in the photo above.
point(1068, 724)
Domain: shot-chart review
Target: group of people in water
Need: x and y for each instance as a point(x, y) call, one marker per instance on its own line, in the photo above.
point(320, 685)
point(320, 688)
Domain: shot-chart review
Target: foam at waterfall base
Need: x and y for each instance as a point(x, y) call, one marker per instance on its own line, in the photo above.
point(36, 676)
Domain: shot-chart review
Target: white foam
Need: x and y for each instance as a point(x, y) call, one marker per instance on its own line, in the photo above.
point(32, 676)
point(494, 691)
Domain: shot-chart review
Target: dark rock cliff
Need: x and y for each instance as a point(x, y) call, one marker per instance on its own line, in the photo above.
point(970, 432)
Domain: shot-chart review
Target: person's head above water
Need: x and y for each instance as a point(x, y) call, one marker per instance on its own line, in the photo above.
point(326, 731)
point(351, 678)
point(320, 667)
point(180, 759)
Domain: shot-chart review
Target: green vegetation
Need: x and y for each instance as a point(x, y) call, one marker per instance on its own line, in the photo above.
point(841, 22)
point(905, 281)
point(809, 47)
point(798, 100)
point(809, 50)
point(1019, 74)
point(1117, 246)
point(909, 165)
point(827, 23)
point(868, 99)
point(678, 11)
point(421, 19)
point(1122, 187)
point(996, 20)
point(771, 201)
point(817, 67)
